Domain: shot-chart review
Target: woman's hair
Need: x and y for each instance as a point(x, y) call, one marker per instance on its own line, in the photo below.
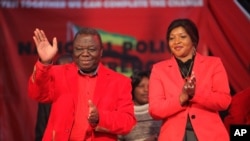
point(190, 28)
point(136, 79)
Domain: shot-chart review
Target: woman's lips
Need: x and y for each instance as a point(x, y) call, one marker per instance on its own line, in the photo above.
point(178, 48)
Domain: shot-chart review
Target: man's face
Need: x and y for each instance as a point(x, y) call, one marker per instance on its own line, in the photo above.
point(87, 52)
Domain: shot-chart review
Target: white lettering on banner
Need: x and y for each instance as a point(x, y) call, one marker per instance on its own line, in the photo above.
point(100, 3)
point(92, 4)
point(125, 4)
point(184, 3)
point(42, 4)
point(74, 4)
point(9, 4)
point(157, 3)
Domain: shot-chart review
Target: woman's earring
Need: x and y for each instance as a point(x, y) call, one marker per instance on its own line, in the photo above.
point(194, 50)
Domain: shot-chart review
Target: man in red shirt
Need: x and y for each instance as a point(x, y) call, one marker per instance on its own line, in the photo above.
point(89, 101)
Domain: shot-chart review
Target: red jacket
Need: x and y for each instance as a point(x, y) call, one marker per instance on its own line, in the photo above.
point(212, 94)
point(58, 84)
point(239, 110)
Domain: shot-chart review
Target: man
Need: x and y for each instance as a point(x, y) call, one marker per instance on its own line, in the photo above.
point(89, 101)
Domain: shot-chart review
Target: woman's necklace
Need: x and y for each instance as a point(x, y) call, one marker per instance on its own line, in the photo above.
point(184, 71)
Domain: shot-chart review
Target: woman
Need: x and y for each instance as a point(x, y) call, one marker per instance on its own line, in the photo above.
point(188, 90)
point(146, 128)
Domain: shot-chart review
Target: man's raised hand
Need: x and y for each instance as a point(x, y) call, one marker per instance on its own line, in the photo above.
point(45, 50)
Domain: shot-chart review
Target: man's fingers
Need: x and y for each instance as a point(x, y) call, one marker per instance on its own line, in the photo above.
point(35, 40)
point(90, 103)
point(40, 35)
point(54, 42)
point(93, 113)
point(92, 108)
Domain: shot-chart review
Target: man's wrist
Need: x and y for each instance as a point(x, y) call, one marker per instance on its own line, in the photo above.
point(45, 62)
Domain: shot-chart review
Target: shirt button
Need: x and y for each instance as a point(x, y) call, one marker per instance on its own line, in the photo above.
point(192, 116)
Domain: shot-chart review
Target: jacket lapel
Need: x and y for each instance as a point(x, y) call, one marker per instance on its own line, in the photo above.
point(101, 83)
point(199, 59)
point(173, 66)
point(72, 80)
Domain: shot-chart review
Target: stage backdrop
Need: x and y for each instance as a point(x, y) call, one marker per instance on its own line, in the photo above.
point(133, 32)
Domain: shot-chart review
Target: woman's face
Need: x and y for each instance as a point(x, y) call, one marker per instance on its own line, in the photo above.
point(141, 92)
point(180, 44)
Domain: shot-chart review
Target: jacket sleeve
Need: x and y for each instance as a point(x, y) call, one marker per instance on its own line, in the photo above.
point(215, 93)
point(121, 120)
point(161, 105)
point(40, 85)
point(239, 111)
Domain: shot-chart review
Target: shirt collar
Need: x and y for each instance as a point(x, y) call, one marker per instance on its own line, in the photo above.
point(87, 74)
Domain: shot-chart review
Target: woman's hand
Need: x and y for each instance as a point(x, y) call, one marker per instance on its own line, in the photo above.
point(188, 90)
point(45, 50)
point(190, 85)
point(184, 98)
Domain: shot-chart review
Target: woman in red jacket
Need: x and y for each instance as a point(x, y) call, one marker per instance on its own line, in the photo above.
point(188, 90)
